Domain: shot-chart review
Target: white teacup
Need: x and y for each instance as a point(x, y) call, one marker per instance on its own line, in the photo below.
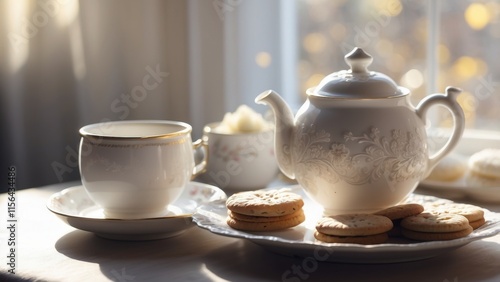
point(134, 169)
point(240, 161)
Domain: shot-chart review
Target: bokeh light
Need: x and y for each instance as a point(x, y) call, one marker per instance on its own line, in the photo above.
point(477, 16)
point(412, 79)
point(263, 59)
point(397, 33)
point(465, 67)
point(314, 42)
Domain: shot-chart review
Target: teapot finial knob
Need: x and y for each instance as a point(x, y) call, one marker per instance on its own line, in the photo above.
point(358, 60)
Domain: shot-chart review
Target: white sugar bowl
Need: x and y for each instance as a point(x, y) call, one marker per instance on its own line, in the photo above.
point(239, 161)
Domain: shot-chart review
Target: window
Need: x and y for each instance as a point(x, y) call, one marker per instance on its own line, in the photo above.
point(423, 45)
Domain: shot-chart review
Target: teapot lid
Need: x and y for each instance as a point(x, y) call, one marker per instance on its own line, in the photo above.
point(358, 82)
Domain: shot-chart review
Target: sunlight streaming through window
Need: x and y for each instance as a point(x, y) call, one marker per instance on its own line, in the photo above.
point(396, 34)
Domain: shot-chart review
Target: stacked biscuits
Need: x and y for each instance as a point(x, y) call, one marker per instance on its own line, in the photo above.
point(264, 210)
point(438, 221)
point(435, 227)
point(434, 222)
point(398, 213)
point(473, 214)
point(271, 210)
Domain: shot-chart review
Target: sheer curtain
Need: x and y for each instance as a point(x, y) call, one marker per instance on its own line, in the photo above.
point(66, 63)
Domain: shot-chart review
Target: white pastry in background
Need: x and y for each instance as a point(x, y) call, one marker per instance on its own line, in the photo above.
point(243, 120)
point(484, 168)
point(452, 167)
point(476, 180)
point(486, 163)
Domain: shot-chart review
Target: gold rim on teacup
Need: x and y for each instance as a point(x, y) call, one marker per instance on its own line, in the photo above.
point(184, 129)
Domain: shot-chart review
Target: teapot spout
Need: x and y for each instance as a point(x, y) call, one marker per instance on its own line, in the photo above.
point(284, 127)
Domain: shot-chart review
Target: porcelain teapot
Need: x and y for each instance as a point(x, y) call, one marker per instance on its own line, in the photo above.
point(357, 144)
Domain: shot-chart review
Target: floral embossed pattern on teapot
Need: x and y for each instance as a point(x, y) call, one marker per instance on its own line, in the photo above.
point(357, 144)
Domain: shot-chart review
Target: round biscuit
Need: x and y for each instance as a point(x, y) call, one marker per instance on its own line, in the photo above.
point(429, 222)
point(435, 236)
point(354, 225)
point(265, 226)
point(436, 204)
point(401, 211)
point(450, 168)
point(486, 163)
point(265, 203)
point(471, 212)
point(477, 223)
point(249, 218)
point(364, 240)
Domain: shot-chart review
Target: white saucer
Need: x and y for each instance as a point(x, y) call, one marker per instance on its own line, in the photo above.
point(300, 241)
point(74, 207)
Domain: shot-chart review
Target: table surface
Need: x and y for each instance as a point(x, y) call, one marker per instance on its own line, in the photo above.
point(50, 250)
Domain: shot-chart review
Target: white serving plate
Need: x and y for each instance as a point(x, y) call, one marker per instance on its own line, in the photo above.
point(300, 241)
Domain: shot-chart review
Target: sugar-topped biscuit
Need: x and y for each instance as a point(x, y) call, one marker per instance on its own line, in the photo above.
point(354, 225)
point(429, 226)
point(474, 214)
point(397, 213)
point(438, 223)
point(401, 211)
point(266, 203)
point(471, 212)
point(264, 210)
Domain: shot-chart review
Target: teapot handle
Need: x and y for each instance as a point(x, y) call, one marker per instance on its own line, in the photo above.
point(449, 100)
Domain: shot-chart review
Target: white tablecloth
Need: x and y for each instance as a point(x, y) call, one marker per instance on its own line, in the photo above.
point(50, 250)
